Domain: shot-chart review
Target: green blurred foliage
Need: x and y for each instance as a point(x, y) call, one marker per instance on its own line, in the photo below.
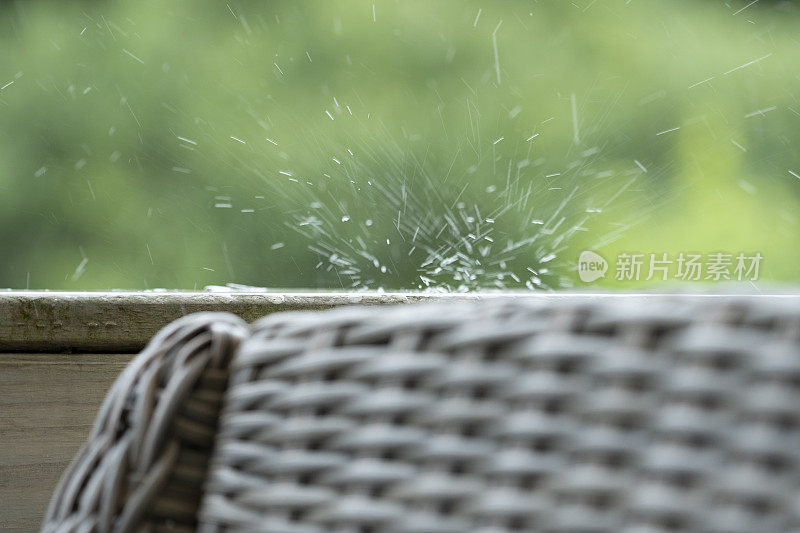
point(395, 145)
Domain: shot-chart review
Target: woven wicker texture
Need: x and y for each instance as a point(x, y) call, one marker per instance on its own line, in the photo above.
point(144, 464)
point(670, 415)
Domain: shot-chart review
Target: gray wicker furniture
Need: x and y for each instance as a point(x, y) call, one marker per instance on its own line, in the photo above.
point(143, 466)
point(674, 414)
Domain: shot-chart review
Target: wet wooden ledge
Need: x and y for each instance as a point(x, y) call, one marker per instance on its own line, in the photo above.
point(123, 322)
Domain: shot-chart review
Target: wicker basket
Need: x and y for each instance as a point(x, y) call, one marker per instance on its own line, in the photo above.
point(671, 414)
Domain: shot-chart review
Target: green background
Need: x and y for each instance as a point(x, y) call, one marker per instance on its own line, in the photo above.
point(392, 145)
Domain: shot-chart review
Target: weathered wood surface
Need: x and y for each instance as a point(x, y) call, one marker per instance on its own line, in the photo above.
point(47, 405)
point(124, 321)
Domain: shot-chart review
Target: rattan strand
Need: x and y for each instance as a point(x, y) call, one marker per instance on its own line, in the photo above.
point(143, 466)
point(664, 416)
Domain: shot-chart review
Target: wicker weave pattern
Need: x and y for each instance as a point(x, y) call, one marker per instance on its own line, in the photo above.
point(448, 418)
point(147, 455)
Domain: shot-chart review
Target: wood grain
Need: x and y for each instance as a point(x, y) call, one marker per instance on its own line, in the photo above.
point(47, 405)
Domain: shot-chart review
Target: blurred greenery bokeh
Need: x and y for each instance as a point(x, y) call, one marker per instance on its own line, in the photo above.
point(394, 145)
